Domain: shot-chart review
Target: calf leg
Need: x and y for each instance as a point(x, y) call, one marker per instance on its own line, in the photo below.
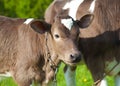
point(96, 67)
point(70, 75)
point(117, 80)
point(103, 83)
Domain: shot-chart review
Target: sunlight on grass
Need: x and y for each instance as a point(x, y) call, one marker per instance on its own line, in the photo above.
point(83, 78)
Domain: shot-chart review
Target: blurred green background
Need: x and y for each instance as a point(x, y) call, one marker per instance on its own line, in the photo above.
point(24, 8)
point(36, 9)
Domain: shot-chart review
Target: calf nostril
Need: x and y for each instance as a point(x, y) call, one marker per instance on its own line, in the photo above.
point(75, 58)
point(72, 57)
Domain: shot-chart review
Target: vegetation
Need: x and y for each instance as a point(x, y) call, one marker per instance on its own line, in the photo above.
point(24, 8)
point(83, 78)
point(36, 9)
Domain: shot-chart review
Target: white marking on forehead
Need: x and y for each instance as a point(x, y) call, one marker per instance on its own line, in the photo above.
point(68, 23)
point(28, 21)
point(92, 6)
point(73, 7)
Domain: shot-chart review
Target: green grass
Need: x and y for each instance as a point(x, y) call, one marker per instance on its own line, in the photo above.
point(83, 78)
point(7, 82)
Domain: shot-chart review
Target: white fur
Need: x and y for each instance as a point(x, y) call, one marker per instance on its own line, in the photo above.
point(70, 77)
point(7, 74)
point(103, 83)
point(73, 6)
point(28, 21)
point(92, 6)
point(68, 23)
point(111, 65)
point(117, 80)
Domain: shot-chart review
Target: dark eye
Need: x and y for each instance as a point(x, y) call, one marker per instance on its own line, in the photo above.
point(56, 36)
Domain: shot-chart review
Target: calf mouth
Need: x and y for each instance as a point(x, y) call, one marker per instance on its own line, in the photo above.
point(72, 63)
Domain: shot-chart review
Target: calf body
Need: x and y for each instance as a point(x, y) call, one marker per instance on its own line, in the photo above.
point(100, 43)
point(27, 45)
point(18, 51)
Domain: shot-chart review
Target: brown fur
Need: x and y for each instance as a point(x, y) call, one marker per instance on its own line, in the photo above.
point(100, 42)
point(24, 50)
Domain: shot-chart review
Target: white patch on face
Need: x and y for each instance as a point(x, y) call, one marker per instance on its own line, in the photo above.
point(68, 23)
point(73, 7)
point(103, 83)
point(28, 21)
point(7, 74)
point(70, 77)
point(110, 65)
point(117, 80)
point(92, 6)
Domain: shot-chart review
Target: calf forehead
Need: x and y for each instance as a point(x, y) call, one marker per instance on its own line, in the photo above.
point(60, 29)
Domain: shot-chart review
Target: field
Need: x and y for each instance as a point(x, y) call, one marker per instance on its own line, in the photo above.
point(83, 78)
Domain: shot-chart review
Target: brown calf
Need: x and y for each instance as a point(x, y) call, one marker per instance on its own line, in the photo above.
point(31, 49)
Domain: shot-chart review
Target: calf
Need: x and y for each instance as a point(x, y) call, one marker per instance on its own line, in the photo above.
point(31, 49)
point(100, 42)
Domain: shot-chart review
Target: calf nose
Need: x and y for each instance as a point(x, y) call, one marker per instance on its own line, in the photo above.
point(75, 58)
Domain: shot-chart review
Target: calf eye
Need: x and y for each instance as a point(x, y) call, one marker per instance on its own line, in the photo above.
point(56, 36)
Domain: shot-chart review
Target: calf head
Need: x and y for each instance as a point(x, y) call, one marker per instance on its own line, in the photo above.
point(62, 39)
point(64, 43)
point(67, 31)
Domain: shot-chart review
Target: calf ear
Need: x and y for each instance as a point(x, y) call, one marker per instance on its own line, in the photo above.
point(85, 21)
point(40, 26)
